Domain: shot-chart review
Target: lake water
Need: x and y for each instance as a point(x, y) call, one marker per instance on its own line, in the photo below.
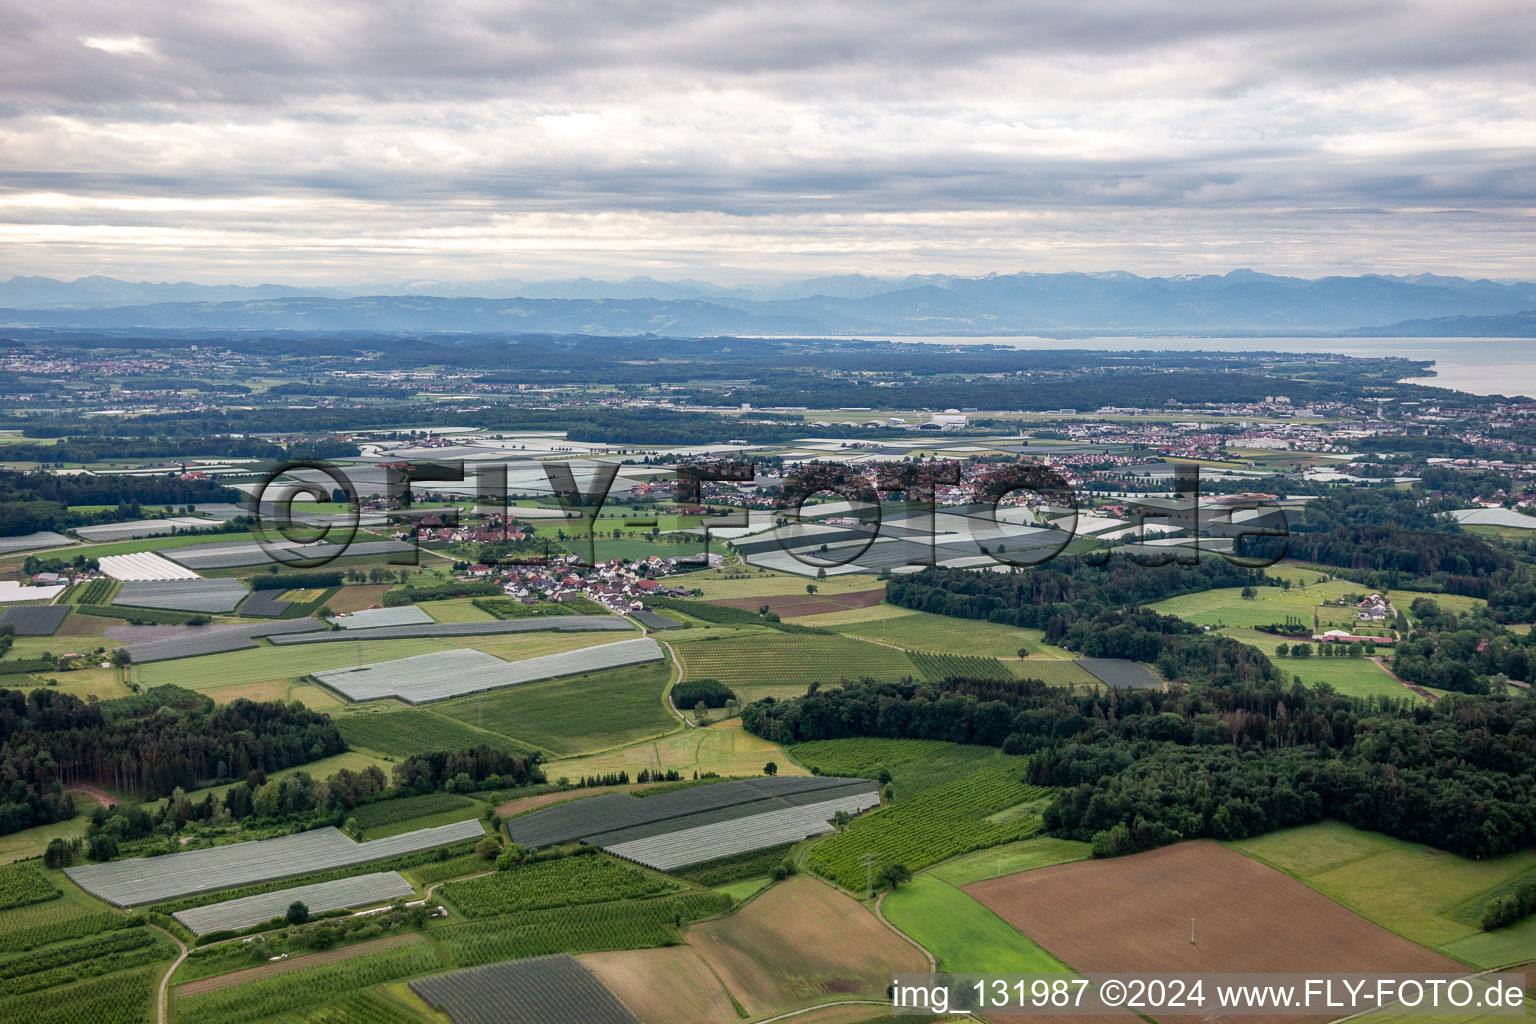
point(1480, 366)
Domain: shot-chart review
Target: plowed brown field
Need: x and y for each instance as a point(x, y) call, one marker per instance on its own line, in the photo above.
point(1132, 915)
point(663, 986)
point(803, 942)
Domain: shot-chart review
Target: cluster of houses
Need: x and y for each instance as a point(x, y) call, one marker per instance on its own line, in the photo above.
point(617, 584)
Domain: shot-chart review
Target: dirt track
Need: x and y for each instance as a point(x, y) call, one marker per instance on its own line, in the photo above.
point(298, 963)
point(101, 796)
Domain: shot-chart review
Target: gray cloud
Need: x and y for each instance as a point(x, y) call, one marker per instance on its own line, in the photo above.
point(365, 140)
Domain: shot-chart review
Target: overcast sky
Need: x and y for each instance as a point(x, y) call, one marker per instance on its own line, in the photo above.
point(358, 141)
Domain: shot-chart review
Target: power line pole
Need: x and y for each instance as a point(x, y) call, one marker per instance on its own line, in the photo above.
point(869, 874)
point(1191, 931)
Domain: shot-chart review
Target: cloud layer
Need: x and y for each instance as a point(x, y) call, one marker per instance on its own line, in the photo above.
point(359, 141)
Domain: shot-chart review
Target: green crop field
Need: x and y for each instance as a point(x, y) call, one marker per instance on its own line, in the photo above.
point(122, 998)
point(634, 924)
point(578, 714)
point(963, 936)
point(1053, 672)
point(932, 825)
point(255, 1000)
point(374, 1006)
point(915, 765)
point(457, 609)
point(400, 733)
point(790, 659)
point(1429, 896)
point(958, 666)
point(1040, 852)
point(942, 634)
point(563, 882)
point(861, 757)
point(73, 916)
point(23, 884)
point(391, 817)
point(1227, 607)
point(88, 957)
point(1356, 677)
point(718, 584)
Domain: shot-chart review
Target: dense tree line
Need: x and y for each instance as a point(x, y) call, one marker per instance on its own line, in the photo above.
point(146, 745)
point(1136, 769)
point(1066, 587)
point(32, 501)
point(107, 449)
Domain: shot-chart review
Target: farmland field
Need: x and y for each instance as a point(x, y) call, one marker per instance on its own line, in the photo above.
point(963, 935)
point(1429, 896)
point(357, 597)
point(74, 915)
point(1100, 915)
point(716, 585)
point(31, 842)
point(802, 942)
point(915, 765)
point(457, 609)
point(23, 884)
point(1053, 672)
point(302, 985)
point(575, 715)
point(1355, 677)
point(663, 986)
point(391, 817)
point(125, 997)
point(524, 992)
point(933, 824)
point(789, 659)
point(862, 757)
point(401, 732)
point(1040, 852)
point(943, 634)
point(562, 882)
point(633, 924)
point(957, 666)
point(723, 748)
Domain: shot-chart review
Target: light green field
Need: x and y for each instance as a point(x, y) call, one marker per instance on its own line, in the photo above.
point(1227, 607)
point(458, 609)
point(724, 748)
point(178, 540)
point(31, 842)
point(771, 584)
point(963, 935)
point(1356, 677)
point(745, 889)
point(1053, 672)
point(577, 715)
point(1429, 896)
point(789, 659)
point(942, 634)
point(1010, 859)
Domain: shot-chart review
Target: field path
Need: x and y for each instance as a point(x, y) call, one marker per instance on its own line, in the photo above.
point(1416, 689)
point(677, 677)
point(165, 982)
point(220, 981)
point(101, 796)
point(933, 965)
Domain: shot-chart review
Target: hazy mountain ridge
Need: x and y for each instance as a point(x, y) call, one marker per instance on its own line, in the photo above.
point(1024, 303)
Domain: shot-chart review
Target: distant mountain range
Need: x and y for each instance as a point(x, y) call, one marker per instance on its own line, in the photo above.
point(1051, 304)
